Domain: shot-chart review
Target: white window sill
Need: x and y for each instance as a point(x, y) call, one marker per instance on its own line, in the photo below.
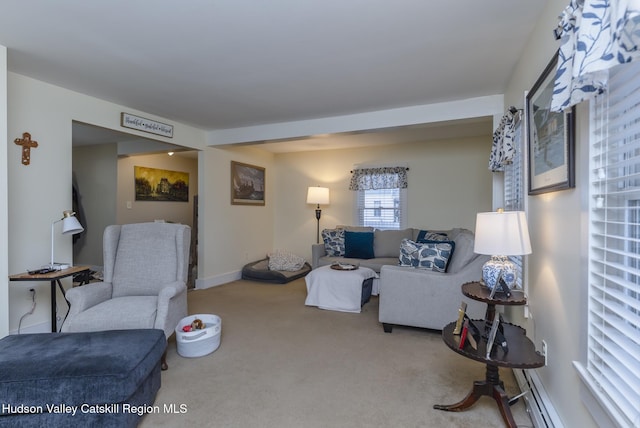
point(599, 406)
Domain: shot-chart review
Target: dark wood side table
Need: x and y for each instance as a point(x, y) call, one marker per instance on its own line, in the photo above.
point(54, 278)
point(521, 353)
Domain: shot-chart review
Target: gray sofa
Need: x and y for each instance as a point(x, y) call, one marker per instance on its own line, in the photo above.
point(386, 247)
point(412, 296)
point(423, 298)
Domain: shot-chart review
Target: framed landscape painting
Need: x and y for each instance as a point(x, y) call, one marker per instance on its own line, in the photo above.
point(550, 139)
point(152, 184)
point(247, 184)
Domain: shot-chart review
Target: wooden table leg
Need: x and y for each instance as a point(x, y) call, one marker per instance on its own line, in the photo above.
point(493, 387)
point(54, 314)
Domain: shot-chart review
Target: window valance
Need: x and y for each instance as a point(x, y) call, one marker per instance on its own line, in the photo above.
point(379, 178)
point(503, 148)
point(595, 36)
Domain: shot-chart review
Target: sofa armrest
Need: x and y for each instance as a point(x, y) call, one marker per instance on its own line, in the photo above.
point(427, 299)
point(86, 296)
point(172, 307)
point(317, 251)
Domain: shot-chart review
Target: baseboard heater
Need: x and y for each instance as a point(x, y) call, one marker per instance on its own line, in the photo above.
point(538, 403)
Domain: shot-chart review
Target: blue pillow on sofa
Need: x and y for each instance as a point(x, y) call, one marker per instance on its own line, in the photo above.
point(358, 245)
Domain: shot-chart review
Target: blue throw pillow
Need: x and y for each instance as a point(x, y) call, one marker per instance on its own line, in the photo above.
point(358, 245)
point(426, 235)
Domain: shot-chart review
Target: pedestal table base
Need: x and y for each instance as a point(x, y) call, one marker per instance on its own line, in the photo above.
point(492, 386)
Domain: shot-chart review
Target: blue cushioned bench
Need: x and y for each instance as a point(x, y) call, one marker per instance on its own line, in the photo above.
point(109, 378)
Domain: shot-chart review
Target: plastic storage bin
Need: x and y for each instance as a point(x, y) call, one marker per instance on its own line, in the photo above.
point(198, 343)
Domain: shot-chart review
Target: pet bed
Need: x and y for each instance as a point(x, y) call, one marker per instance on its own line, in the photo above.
point(259, 271)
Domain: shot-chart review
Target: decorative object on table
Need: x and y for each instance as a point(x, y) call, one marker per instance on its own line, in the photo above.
point(492, 336)
point(501, 234)
point(471, 333)
point(503, 287)
point(463, 334)
point(318, 195)
point(161, 185)
point(461, 312)
point(343, 266)
point(551, 138)
point(248, 185)
point(27, 143)
point(70, 226)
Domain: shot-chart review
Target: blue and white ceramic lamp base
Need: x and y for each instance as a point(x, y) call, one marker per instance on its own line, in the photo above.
point(497, 266)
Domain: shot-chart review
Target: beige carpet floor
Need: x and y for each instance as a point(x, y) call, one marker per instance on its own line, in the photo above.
point(283, 364)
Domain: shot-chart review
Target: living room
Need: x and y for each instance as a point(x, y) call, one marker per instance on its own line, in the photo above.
point(557, 268)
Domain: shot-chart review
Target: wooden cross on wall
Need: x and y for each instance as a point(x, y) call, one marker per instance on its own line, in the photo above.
point(26, 142)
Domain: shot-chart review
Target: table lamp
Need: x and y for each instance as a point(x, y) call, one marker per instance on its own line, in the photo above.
point(501, 234)
point(70, 226)
point(318, 195)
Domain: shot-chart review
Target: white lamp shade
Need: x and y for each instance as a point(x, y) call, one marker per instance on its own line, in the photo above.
point(502, 233)
point(318, 195)
point(70, 224)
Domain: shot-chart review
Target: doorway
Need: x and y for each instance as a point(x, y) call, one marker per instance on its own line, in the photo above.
point(104, 187)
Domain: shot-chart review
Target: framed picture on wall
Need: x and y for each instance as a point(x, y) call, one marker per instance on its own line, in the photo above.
point(550, 139)
point(247, 184)
point(152, 184)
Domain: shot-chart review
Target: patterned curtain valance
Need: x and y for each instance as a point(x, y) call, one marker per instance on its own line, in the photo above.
point(379, 178)
point(595, 36)
point(503, 149)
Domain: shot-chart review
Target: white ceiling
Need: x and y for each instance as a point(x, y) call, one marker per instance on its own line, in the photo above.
point(218, 64)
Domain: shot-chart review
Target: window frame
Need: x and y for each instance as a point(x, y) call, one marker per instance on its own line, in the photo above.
point(399, 207)
point(613, 183)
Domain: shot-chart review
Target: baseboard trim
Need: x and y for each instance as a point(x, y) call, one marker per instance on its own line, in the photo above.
point(43, 327)
point(538, 403)
point(214, 281)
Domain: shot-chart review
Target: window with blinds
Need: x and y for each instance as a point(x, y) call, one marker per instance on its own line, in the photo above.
point(613, 358)
point(382, 208)
point(514, 188)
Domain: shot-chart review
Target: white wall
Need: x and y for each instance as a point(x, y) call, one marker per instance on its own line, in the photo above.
point(38, 193)
point(558, 239)
point(449, 181)
point(231, 235)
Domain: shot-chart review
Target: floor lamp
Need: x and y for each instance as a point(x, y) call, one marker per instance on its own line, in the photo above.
point(318, 196)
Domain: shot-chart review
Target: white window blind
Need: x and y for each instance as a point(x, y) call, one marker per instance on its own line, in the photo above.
point(613, 360)
point(382, 208)
point(514, 188)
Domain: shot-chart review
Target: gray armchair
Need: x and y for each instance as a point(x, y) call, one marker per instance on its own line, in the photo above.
point(145, 274)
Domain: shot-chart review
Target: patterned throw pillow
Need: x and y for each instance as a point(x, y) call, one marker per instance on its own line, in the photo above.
point(434, 256)
point(333, 242)
point(425, 235)
point(408, 253)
